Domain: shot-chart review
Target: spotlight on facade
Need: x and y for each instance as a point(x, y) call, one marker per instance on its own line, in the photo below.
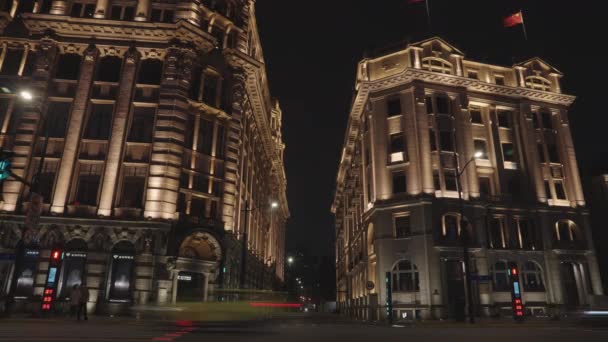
point(26, 95)
point(478, 154)
point(274, 204)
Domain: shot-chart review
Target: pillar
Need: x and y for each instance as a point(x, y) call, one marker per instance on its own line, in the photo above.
point(119, 132)
point(467, 148)
point(533, 165)
point(564, 140)
point(74, 131)
point(142, 10)
point(410, 129)
point(426, 167)
point(101, 9)
point(60, 7)
point(520, 76)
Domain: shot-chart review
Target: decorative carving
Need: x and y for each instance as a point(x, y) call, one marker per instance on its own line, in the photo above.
point(100, 241)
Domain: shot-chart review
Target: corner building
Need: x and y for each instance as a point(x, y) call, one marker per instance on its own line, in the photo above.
point(150, 127)
point(421, 113)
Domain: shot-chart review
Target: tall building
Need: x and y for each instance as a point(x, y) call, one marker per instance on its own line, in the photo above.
point(599, 216)
point(425, 120)
point(149, 130)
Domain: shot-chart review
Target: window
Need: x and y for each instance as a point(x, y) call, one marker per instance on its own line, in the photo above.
point(450, 180)
point(498, 238)
point(547, 119)
point(123, 262)
point(436, 65)
point(443, 105)
point(73, 266)
point(405, 277)
point(122, 13)
point(541, 153)
point(526, 234)
point(393, 107)
point(142, 124)
point(82, 10)
point(109, 69)
point(538, 83)
point(480, 146)
point(220, 143)
point(399, 182)
point(57, 118)
point(436, 180)
point(133, 185)
point(68, 66)
point(205, 137)
point(474, 74)
point(12, 61)
point(485, 188)
point(432, 140)
point(548, 189)
point(25, 6)
point(560, 193)
point(500, 276)
point(565, 230)
point(397, 148)
point(499, 79)
point(150, 71)
point(533, 279)
point(46, 180)
point(429, 105)
point(89, 176)
point(161, 15)
point(402, 226)
point(446, 141)
point(553, 153)
point(450, 227)
point(508, 152)
point(504, 118)
point(476, 117)
point(211, 89)
point(99, 122)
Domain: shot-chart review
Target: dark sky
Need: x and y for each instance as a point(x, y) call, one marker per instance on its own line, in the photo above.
point(312, 47)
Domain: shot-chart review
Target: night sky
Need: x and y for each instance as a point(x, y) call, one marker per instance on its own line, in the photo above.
point(312, 48)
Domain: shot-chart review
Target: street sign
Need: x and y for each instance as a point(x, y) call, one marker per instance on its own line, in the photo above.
point(370, 285)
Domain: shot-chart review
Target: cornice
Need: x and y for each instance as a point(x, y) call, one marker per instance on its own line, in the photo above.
point(209, 110)
point(87, 28)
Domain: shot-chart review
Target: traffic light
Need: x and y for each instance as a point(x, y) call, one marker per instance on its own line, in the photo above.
point(518, 306)
point(389, 298)
point(5, 164)
point(48, 296)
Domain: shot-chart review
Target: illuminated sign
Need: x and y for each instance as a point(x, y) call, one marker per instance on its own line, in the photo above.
point(184, 277)
point(389, 298)
point(518, 306)
point(49, 290)
point(123, 257)
point(52, 275)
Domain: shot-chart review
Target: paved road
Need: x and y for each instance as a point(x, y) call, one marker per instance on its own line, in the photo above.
point(294, 329)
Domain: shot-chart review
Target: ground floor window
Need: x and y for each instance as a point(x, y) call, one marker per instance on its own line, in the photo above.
point(25, 273)
point(405, 277)
point(73, 267)
point(123, 261)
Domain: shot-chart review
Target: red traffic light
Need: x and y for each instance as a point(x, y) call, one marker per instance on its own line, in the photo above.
point(55, 255)
point(514, 271)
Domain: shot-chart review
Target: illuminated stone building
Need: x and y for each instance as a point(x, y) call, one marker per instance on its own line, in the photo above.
point(419, 114)
point(160, 128)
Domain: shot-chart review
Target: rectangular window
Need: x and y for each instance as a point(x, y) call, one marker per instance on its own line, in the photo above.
point(399, 182)
point(402, 226)
point(142, 124)
point(476, 117)
point(397, 148)
point(133, 184)
point(541, 153)
point(393, 107)
point(57, 118)
point(553, 153)
point(560, 192)
point(210, 89)
point(497, 233)
point(504, 118)
point(99, 122)
point(474, 74)
point(88, 183)
point(480, 147)
point(46, 180)
point(450, 180)
point(525, 234)
point(547, 120)
point(432, 140)
point(548, 189)
point(436, 180)
point(443, 105)
point(446, 139)
point(508, 152)
point(122, 13)
point(161, 15)
point(429, 105)
point(499, 79)
point(220, 143)
point(205, 137)
point(12, 62)
point(485, 188)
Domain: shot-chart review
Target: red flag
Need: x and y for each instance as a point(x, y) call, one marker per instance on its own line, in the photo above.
point(513, 19)
point(411, 2)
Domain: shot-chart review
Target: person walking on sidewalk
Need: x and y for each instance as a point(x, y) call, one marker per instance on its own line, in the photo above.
point(74, 300)
point(82, 304)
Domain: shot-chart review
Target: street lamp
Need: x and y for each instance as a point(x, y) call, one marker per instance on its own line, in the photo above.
point(290, 260)
point(464, 233)
point(26, 95)
point(274, 204)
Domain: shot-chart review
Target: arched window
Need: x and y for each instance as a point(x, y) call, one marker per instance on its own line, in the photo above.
point(566, 230)
point(73, 268)
point(538, 83)
point(500, 276)
point(150, 71)
point(121, 282)
point(109, 69)
point(533, 277)
point(437, 65)
point(405, 277)
point(68, 66)
point(450, 226)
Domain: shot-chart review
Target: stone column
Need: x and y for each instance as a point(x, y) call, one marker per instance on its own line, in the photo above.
point(466, 148)
point(566, 147)
point(119, 133)
point(188, 10)
point(555, 77)
point(59, 7)
point(74, 131)
point(4, 47)
point(96, 276)
point(101, 10)
point(379, 137)
point(533, 165)
point(144, 272)
point(417, 63)
point(410, 128)
point(166, 160)
point(520, 76)
point(174, 275)
point(28, 123)
point(426, 167)
point(142, 10)
point(13, 9)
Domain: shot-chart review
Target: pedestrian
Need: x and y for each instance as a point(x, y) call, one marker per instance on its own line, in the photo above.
point(74, 300)
point(82, 304)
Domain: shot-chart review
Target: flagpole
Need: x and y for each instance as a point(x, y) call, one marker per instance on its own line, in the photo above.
point(428, 15)
point(523, 24)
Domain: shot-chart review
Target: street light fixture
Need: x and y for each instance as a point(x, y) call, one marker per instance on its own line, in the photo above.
point(26, 95)
point(274, 204)
point(464, 235)
point(290, 260)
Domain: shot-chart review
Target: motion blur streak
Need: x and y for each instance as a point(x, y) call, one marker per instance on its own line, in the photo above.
point(275, 305)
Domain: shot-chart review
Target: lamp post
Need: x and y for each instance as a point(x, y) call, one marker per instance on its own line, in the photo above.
point(465, 235)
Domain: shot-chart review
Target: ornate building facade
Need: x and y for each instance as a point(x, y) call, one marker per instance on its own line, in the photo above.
point(427, 123)
point(150, 132)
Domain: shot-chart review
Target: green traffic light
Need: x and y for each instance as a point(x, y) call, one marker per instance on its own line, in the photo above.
point(5, 169)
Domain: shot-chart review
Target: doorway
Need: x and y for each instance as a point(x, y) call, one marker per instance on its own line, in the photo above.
point(571, 285)
point(456, 290)
point(190, 287)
